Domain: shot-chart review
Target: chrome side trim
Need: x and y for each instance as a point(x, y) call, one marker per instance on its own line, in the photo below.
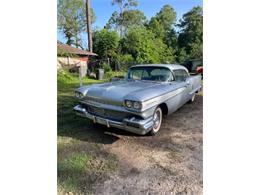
point(155, 101)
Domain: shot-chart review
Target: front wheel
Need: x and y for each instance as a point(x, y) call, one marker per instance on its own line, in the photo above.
point(157, 121)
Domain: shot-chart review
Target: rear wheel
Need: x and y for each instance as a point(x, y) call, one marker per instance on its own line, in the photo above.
point(157, 121)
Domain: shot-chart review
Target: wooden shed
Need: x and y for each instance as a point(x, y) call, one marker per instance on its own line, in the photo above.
point(69, 57)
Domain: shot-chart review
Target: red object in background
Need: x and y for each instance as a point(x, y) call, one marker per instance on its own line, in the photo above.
point(85, 59)
point(199, 69)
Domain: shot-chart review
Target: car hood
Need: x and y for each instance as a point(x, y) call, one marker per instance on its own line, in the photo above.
point(132, 90)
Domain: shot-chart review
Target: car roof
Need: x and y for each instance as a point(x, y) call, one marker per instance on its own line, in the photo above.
point(170, 66)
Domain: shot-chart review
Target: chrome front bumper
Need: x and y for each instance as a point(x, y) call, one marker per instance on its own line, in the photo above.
point(129, 124)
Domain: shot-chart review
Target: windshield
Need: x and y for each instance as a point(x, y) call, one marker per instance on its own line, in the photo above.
point(150, 73)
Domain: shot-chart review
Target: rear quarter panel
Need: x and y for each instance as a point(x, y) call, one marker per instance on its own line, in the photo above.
point(195, 81)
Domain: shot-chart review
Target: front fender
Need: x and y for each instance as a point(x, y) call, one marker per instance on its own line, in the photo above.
point(83, 89)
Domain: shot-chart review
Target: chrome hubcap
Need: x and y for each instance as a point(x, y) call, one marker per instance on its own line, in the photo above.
point(156, 119)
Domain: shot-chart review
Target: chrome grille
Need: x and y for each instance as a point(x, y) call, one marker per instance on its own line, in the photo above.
point(108, 114)
point(99, 100)
point(102, 101)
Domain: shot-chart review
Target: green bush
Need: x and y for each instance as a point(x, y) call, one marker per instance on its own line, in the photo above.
point(65, 77)
point(105, 43)
point(108, 75)
point(111, 74)
point(106, 67)
point(125, 61)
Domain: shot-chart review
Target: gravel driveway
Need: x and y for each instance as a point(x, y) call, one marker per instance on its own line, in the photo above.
point(169, 163)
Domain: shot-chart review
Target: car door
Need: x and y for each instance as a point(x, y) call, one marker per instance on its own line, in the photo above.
point(181, 77)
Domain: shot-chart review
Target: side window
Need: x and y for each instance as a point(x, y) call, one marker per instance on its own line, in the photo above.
point(185, 75)
point(168, 75)
point(180, 75)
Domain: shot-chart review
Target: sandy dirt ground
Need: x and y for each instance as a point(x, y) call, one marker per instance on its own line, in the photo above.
point(170, 162)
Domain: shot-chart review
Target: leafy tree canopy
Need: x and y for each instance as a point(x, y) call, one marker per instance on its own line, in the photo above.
point(166, 17)
point(191, 33)
point(133, 18)
point(126, 20)
point(154, 41)
point(142, 44)
point(72, 20)
point(125, 4)
point(162, 25)
point(126, 17)
point(106, 43)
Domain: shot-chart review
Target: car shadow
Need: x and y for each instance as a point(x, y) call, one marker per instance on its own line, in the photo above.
point(83, 129)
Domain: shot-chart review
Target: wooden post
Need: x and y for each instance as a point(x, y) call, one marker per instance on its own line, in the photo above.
point(89, 31)
point(80, 75)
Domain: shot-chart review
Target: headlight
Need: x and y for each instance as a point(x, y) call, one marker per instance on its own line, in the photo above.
point(137, 105)
point(79, 95)
point(133, 104)
point(128, 103)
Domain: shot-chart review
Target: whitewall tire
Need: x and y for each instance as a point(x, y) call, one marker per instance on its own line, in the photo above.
point(157, 120)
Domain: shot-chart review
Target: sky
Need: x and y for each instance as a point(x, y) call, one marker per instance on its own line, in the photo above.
point(103, 10)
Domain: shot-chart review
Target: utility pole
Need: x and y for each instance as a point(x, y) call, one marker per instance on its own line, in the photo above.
point(89, 31)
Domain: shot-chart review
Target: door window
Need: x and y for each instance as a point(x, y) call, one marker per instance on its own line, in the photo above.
point(185, 75)
point(180, 75)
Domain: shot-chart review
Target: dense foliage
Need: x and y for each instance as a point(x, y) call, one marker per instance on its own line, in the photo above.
point(144, 47)
point(158, 40)
point(126, 17)
point(106, 43)
point(190, 37)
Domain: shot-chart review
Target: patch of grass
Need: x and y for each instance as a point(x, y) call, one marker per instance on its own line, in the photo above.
point(80, 169)
point(68, 122)
point(71, 170)
point(68, 82)
point(82, 161)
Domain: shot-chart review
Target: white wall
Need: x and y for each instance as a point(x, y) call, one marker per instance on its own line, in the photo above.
point(68, 62)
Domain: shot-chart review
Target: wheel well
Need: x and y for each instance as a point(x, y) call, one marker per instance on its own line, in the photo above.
point(164, 108)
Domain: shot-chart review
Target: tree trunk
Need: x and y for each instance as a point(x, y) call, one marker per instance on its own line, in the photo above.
point(122, 18)
point(89, 32)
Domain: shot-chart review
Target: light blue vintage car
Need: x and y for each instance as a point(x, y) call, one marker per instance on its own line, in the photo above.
point(138, 102)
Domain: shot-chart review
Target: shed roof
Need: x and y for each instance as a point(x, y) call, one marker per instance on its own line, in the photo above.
point(72, 50)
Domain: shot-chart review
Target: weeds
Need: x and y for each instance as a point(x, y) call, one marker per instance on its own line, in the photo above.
point(81, 162)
